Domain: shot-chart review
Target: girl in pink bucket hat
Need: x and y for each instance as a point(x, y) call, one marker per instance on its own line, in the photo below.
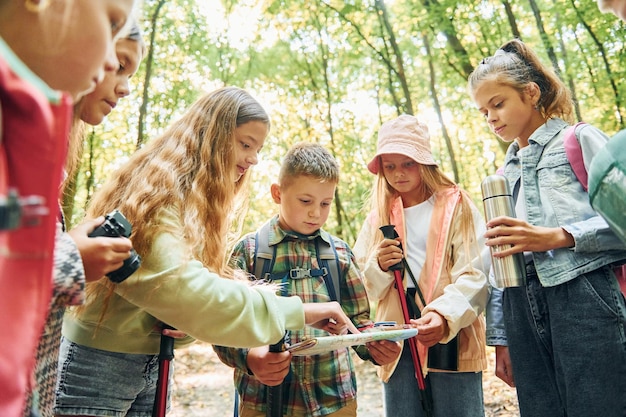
point(444, 286)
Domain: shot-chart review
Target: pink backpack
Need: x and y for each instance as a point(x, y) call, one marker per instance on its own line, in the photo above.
point(575, 157)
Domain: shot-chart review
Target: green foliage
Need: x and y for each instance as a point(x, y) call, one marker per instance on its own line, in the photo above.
point(332, 71)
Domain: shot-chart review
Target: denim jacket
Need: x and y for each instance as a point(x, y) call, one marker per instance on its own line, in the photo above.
point(555, 198)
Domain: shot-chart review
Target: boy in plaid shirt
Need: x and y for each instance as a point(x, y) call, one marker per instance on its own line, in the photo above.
point(316, 385)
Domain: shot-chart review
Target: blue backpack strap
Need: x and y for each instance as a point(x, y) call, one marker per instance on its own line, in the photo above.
point(327, 252)
point(262, 270)
point(265, 257)
point(236, 404)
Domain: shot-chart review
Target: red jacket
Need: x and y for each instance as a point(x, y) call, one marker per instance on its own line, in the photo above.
point(34, 131)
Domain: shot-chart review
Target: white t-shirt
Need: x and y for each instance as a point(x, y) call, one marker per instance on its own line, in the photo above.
point(417, 223)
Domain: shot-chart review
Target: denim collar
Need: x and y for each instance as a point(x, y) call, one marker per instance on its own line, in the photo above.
point(544, 134)
point(547, 131)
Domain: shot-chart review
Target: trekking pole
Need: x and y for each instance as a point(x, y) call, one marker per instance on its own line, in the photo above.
point(389, 232)
point(275, 393)
point(166, 354)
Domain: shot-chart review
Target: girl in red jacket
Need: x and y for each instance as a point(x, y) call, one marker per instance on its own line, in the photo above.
point(46, 60)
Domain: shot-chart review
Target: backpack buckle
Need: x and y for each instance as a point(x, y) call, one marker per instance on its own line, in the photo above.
point(299, 273)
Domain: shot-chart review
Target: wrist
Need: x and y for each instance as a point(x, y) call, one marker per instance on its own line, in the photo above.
point(567, 239)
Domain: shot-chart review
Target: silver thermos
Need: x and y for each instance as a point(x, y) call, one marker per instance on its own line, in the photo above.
point(509, 271)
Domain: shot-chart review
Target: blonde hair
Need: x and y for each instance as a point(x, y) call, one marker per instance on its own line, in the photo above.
point(516, 65)
point(433, 180)
point(189, 167)
point(308, 159)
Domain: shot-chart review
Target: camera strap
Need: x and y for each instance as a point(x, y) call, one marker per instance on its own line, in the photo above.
point(440, 356)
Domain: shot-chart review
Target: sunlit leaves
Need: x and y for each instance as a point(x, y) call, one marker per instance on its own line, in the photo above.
point(326, 72)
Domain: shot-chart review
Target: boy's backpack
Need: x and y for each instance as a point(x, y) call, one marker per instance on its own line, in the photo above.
point(264, 259)
point(607, 189)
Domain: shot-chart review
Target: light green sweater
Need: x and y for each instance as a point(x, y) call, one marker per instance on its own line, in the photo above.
point(187, 296)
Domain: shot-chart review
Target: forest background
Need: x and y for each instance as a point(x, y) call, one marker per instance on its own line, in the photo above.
point(333, 71)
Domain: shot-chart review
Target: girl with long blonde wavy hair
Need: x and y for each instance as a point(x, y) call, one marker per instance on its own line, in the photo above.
point(180, 192)
point(187, 167)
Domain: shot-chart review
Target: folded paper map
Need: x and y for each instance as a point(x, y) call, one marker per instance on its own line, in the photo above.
point(315, 346)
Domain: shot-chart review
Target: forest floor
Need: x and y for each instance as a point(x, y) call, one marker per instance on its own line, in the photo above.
point(203, 387)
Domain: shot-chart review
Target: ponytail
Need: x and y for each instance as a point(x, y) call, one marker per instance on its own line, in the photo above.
point(516, 65)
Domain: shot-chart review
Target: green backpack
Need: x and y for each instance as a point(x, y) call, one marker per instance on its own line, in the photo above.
point(607, 183)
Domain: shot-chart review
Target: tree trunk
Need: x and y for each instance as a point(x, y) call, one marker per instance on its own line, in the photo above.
point(384, 16)
point(511, 18)
point(605, 62)
point(437, 106)
point(143, 109)
point(444, 25)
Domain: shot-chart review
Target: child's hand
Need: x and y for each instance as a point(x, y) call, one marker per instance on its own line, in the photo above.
point(431, 328)
point(389, 253)
point(269, 368)
point(168, 331)
point(504, 369)
point(328, 316)
point(384, 351)
point(176, 334)
point(524, 236)
point(330, 326)
point(100, 255)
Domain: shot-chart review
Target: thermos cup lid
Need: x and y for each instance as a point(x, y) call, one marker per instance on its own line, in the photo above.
point(495, 185)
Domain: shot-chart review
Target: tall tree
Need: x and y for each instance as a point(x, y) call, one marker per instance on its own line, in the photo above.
point(143, 109)
point(437, 107)
point(333, 71)
point(605, 62)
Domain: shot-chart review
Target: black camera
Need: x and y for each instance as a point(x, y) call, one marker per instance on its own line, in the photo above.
point(116, 225)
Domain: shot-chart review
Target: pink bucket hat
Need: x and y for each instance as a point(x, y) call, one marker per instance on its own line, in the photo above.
point(405, 136)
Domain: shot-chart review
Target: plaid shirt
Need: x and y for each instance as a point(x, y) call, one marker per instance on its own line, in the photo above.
point(317, 384)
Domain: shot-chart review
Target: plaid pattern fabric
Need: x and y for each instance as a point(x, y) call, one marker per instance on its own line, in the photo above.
point(68, 286)
point(319, 384)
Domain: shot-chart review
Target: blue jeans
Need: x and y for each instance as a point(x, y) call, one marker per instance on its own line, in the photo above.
point(458, 394)
point(95, 382)
point(568, 346)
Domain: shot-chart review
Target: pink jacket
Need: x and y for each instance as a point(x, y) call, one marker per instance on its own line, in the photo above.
point(33, 139)
point(453, 285)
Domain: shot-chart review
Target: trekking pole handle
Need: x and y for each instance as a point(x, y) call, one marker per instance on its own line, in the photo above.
point(275, 393)
point(389, 232)
point(166, 349)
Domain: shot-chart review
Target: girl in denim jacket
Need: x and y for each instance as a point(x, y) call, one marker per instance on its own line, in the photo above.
point(565, 328)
